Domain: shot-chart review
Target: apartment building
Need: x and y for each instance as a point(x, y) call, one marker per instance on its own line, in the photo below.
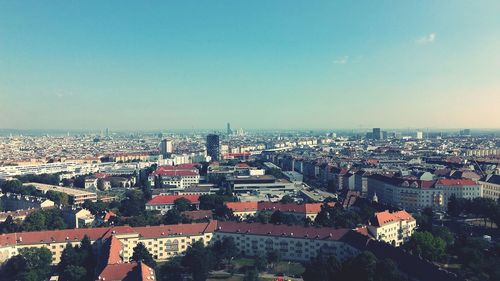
point(413, 194)
point(490, 186)
point(293, 242)
point(165, 241)
point(181, 176)
point(393, 228)
point(253, 208)
point(164, 203)
point(76, 196)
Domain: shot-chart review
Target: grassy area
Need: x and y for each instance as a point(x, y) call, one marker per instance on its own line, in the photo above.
point(289, 269)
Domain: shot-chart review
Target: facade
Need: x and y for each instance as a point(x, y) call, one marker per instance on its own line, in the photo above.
point(164, 203)
point(213, 147)
point(180, 177)
point(166, 148)
point(252, 208)
point(293, 242)
point(393, 228)
point(76, 196)
point(377, 134)
point(412, 194)
point(165, 241)
point(490, 187)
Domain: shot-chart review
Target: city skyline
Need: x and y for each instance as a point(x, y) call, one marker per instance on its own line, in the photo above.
point(280, 64)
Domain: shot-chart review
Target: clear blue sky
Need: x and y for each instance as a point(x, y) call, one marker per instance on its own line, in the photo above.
point(256, 64)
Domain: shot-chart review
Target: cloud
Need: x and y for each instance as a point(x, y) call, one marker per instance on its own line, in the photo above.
point(426, 39)
point(341, 60)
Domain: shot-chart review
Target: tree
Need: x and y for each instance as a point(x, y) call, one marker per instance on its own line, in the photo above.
point(273, 257)
point(287, 199)
point(133, 204)
point(73, 273)
point(387, 270)
point(33, 265)
point(141, 254)
point(322, 268)
point(212, 201)
point(198, 260)
point(9, 225)
point(224, 250)
point(251, 275)
point(182, 204)
point(362, 267)
point(174, 217)
point(260, 262)
point(424, 244)
point(172, 270)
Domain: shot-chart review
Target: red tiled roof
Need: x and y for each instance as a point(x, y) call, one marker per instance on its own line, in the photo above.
point(7, 239)
point(308, 208)
point(459, 182)
point(176, 229)
point(323, 233)
point(385, 217)
point(118, 271)
point(67, 235)
point(115, 247)
point(108, 215)
point(169, 199)
point(179, 170)
point(243, 206)
point(198, 215)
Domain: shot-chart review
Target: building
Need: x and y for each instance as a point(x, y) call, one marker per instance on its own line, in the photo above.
point(164, 203)
point(229, 131)
point(413, 194)
point(166, 148)
point(490, 186)
point(252, 208)
point(377, 134)
point(78, 218)
point(112, 267)
point(296, 243)
point(265, 183)
point(213, 147)
point(420, 135)
point(393, 228)
point(76, 196)
point(177, 177)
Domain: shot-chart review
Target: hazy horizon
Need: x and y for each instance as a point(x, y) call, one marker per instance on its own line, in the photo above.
point(262, 64)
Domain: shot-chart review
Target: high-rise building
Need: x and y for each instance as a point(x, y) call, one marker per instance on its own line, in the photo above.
point(376, 134)
point(229, 131)
point(465, 132)
point(166, 148)
point(213, 147)
point(420, 135)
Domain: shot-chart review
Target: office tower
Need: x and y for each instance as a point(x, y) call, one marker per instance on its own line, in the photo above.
point(377, 134)
point(213, 147)
point(465, 132)
point(384, 135)
point(420, 135)
point(229, 129)
point(166, 148)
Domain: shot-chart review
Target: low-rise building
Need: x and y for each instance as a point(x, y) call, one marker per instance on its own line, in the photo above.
point(490, 186)
point(393, 228)
point(300, 211)
point(164, 203)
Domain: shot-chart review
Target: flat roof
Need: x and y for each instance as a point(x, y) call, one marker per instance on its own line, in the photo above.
point(70, 191)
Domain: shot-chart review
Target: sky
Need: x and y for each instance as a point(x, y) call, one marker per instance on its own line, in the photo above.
point(257, 64)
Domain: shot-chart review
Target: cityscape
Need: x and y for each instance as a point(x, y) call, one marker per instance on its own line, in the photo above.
point(210, 141)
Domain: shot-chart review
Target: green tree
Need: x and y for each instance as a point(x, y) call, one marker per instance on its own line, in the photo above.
point(224, 250)
point(73, 273)
point(260, 262)
point(322, 268)
point(141, 254)
point(362, 267)
point(387, 270)
point(251, 275)
point(182, 204)
point(133, 204)
point(424, 244)
point(199, 261)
